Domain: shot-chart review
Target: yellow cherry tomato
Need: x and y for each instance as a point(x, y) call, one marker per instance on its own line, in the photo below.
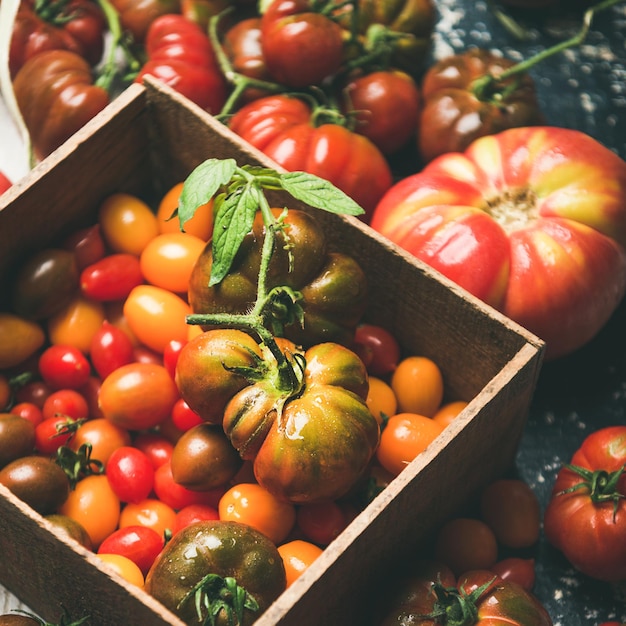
point(297, 556)
point(123, 567)
point(19, 339)
point(418, 384)
point(381, 399)
point(200, 225)
point(127, 223)
point(76, 323)
point(156, 316)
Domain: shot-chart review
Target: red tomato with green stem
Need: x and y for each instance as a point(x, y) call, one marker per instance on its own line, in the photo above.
point(586, 515)
point(67, 402)
point(301, 47)
point(299, 139)
point(181, 55)
point(75, 25)
point(506, 218)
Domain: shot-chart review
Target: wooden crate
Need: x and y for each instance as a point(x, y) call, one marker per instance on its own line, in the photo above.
point(145, 141)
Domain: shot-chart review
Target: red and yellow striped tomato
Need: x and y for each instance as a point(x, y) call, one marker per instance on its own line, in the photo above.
point(530, 220)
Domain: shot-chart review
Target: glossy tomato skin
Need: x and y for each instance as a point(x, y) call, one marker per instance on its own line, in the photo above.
point(17, 437)
point(454, 114)
point(20, 339)
point(585, 526)
point(77, 26)
point(56, 96)
point(300, 47)
point(281, 127)
point(520, 260)
point(138, 543)
point(324, 438)
point(136, 16)
point(386, 106)
point(181, 55)
point(332, 285)
point(5, 183)
point(228, 549)
point(498, 601)
point(112, 277)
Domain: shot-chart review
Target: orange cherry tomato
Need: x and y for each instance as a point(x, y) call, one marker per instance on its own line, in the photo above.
point(168, 260)
point(448, 412)
point(103, 435)
point(156, 316)
point(404, 437)
point(127, 223)
point(150, 512)
point(418, 384)
point(94, 505)
point(249, 503)
point(297, 556)
point(76, 323)
point(138, 396)
point(200, 225)
point(381, 399)
point(123, 567)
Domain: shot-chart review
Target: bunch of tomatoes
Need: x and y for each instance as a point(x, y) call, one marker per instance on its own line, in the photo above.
point(95, 434)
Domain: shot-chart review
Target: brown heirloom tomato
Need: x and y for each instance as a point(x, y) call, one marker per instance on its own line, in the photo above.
point(455, 113)
point(56, 97)
point(226, 568)
point(434, 596)
point(136, 16)
point(332, 285)
point(74, 25)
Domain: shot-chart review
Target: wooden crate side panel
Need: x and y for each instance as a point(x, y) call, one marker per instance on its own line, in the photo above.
point(336, 590)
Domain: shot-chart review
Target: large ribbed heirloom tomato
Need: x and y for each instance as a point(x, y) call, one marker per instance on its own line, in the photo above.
point(530, 220)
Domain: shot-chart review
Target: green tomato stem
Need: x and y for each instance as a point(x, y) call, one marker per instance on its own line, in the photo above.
point(483, 86)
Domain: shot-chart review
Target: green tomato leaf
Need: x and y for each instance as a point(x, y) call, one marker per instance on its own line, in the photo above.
point(319, 193)
point(202, 184)
point(233, 222)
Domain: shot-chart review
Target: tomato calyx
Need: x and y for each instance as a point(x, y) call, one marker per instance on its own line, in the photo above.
point(513, 208)
point(602, 486)
point(455, 607)
point(78, 464)
point(213, 594)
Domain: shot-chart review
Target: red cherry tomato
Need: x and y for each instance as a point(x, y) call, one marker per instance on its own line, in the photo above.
point(171, 352)
point(111, 278)
point(321, 522)
point(29, 411)
point(110, 348)
point(140, 544)
point(130, 473)
point(65, 402)
point(155, 446)
point(184, 417)
point(194, 513)
point(64, 367)
point(87, 245)
point(52, 433)
point(378, 349)
point(176, 496)
point(518, 570)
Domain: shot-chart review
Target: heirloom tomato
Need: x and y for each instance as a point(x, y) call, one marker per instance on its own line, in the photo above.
point(136, 16)
point(332, 285)
point(285, 130)
point(17, 438)
point(40, 25)
point(56, 95)
point(301, 47)
point(456, 111)
point(530, 220)
point(586, 515)
point(228, 569)
point(433, 595)
point(181, 55)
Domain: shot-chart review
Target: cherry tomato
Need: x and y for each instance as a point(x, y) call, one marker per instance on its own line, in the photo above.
point(168, 260)
point(178, 496)
point(465, 544)
point(90, 391)
point(102, 435)
point(35, 391)
point(20, 339)
point(418, 384)
point(124, 567)
point(65, 402)
point(448, 412)
point(200, 225)
point(404, 437)
point(518, 570)
point(140, 544)
point(87, 245)
point(130, 474)
point(321, 522)
point(155, 446)
point(52, 433)
point(17, 438)
point(249, 503)
point(171, 351)
point(111, 278)
point(150, 512)
point(94, 505)
point(76, 324)
point(194, 513)
point(156, 316)
point(127, 223)
point(297, 556)
point(138, 396)
point(511, 509)
point(29, 411)
point(64, 367)
point(378, 349)
point(110, 349)
point(381, 400)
